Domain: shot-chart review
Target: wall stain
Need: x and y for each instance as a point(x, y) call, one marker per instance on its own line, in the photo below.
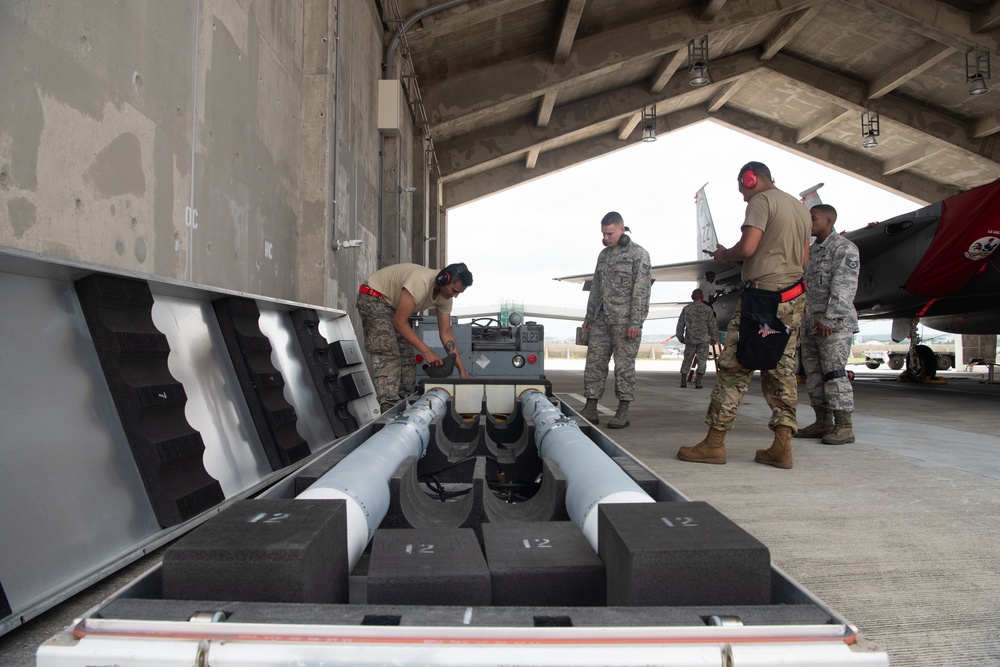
point(117, 169)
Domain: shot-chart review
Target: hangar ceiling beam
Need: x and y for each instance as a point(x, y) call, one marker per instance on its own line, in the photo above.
point(710, 9)
point(986, 125)
point(482, 184)
point(820, 122)
point(935, 20)
point(457, 191)
point(532, 159)
point(910, 158)
point(628, 124)
point(462, 16)
point(987, 18)
point(727, 91)
point(670, 64)
point(837, 157)
point(545, 108)
point(575, 120)
point(842, 90)
point(521, 79)
point(907, 68)
point(790, 27)
point(567, 30)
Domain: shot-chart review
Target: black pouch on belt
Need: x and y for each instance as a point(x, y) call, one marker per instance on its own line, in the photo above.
point(762, 335)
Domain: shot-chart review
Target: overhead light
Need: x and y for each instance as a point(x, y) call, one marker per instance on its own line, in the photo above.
point(977, 70)
point(649, 124)
point(698, 62)
point(869, 128)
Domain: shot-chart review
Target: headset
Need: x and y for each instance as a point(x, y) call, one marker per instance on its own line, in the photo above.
point(748, 179)
point(446, 275)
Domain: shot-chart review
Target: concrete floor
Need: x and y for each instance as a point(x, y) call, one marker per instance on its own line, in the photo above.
point(898, 532)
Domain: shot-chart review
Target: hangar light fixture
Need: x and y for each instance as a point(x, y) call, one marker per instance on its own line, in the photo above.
point(649, 124)
point(698, 62)
point(869, 128)
point(977, 70)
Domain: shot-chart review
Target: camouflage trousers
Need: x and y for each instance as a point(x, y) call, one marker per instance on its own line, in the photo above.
point(393, 371)
point(825, 355)
point(779, 385)
point(691, 352)
point(607, 340)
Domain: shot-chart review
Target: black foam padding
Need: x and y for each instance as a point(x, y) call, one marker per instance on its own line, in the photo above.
point(308, 475)
point(5, 609)
point(427, 566)
point(167, 451)
point(323, 371)
point(410, 506)
point(547, 504)
point(646, 480)
point(357, 384)
point(261, 382)
point(263, 551)
point(543, 564)
point(680, 553)
point(346, 353)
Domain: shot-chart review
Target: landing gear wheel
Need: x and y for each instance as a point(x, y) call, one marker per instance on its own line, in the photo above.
point(921, 363)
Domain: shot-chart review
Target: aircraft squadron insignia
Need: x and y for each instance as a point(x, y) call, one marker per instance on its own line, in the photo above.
point(982, 248)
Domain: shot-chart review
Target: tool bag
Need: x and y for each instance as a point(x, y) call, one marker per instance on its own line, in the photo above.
point(762, 335)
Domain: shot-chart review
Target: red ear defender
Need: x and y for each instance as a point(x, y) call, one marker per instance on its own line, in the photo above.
point(749, 179)
point(443, 278)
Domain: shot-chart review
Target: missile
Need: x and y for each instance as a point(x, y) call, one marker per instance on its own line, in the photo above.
point(592, 477)
point(362, 477)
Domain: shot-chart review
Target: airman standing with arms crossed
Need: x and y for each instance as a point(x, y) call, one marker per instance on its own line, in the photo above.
point(696, 328)
point(764, 332)
point(831, 322)
point(617, 307)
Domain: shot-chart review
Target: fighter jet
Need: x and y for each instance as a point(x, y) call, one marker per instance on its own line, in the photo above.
point(937, 265)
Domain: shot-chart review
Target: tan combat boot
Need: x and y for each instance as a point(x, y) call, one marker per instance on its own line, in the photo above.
point(590, 411)
point(819, 428)
point(710, 450)
point(620, 420)
point(842, 432)
point(780, 453)
point(697, 380)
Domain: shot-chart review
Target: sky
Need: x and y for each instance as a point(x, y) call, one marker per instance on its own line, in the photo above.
point(518, 241)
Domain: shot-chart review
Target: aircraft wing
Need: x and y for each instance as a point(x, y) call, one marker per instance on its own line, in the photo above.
point(690, 271)
point(657, 311)
point(684, 271)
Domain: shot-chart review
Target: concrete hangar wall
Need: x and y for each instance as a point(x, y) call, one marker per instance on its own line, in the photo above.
point(223, 143)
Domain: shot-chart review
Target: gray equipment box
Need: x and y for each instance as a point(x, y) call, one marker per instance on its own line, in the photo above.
point(489, 350)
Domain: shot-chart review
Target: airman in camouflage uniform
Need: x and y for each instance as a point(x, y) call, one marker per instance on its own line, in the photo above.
point(696, 328)
point(616, 310)
point(386, 301)
point(774, 247)
point(831, 322)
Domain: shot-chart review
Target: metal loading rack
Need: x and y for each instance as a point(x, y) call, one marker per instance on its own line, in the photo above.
point(509, 532)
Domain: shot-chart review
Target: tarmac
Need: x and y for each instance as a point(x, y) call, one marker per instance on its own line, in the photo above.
point(898, 532)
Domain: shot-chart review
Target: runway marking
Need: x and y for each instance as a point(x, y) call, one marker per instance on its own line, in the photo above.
point(600, 408)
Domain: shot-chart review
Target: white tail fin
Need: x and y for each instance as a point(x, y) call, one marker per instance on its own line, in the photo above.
point(707, 240)
point(810, 197)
